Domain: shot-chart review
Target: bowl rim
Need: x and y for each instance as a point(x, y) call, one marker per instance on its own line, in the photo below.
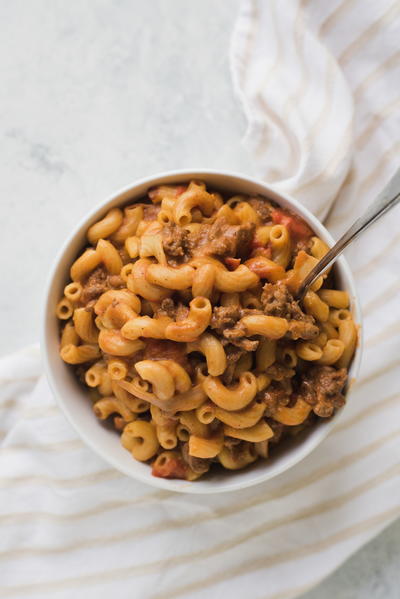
point(303, 449)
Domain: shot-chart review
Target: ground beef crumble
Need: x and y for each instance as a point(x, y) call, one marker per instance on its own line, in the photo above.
point(274, 396)
point(238, 449)
point(301, 245)
point(175, 241)
point(279, 372)
point(262, 207)
point(220, 239)
point(277, 300)
point(175, 310)
point(198, 465)
point(233, 354)
point(97, 283)
point(248, 345)
point(224, 316)
point(277, 428)
point(302, 329)
point(322, 387)
point(224, 321)
point(163, 349)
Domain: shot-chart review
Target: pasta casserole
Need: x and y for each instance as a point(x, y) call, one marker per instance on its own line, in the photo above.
point(181, 320)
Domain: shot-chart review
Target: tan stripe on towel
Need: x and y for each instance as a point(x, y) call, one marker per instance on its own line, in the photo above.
point(250, 38)
point(335, 16)
point(333, 162)
point(388, 64)
point(74, 482)
point(377, 373)
point(390, 331)
point(59, 446)
point(369, 181)
point(375, 27)
point(381, 300)
point(18, 517)
point(41, 412)
point(304, 80)
point(377, 119)
point(365, 269)
point(378, 406)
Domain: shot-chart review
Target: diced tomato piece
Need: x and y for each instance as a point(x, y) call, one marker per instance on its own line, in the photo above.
point(255, 244)
point(232, 263)
point(266, 269)
point(150, 211)
point(156, 193)
point(259, 249)
point(297, 227)
point(262, 251)
point(171, 468)
point(160, 349)
point(180, 189)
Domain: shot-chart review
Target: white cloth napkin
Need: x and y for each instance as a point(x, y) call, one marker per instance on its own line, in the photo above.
point(318, 85)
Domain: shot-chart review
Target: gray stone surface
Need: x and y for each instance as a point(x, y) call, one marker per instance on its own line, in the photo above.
point(373, 572)
point(94, 95)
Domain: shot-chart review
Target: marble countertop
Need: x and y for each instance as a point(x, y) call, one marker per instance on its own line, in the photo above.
point(94, 96)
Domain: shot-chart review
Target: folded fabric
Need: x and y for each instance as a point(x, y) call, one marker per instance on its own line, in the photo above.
point(317, 82)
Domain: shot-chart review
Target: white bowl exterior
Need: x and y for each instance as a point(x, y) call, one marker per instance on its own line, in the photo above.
point(72, 397)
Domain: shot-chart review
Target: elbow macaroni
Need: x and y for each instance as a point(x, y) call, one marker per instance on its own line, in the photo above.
point(213, 351)
point(106, 226)
point(194, 325)
point(234, 398)
point(239, 280)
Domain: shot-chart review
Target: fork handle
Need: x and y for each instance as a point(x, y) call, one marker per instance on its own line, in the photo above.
point(386, 199)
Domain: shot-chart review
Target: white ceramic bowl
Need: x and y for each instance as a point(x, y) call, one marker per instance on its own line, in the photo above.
point(72, 398)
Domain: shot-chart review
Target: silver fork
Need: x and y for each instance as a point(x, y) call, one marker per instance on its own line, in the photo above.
point(385, 201)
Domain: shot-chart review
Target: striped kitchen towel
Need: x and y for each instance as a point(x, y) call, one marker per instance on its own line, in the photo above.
point(318, 85)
